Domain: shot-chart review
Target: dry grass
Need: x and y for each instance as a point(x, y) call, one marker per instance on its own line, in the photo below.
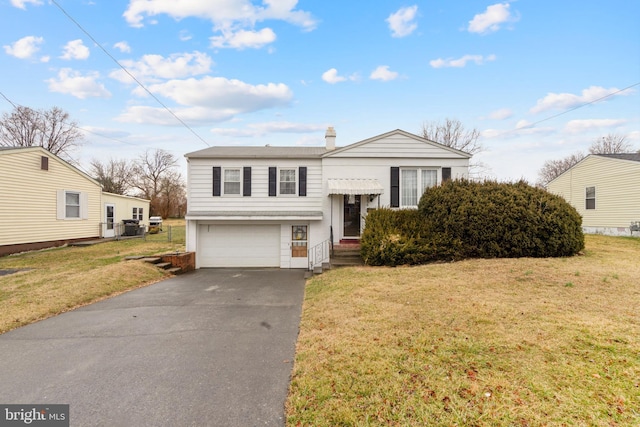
point(57, 280)
point(510, 342)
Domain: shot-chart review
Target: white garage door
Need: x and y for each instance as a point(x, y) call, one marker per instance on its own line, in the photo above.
point(239, 245)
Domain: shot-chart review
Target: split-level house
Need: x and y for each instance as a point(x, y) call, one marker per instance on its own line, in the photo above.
point(604, 190)
point(46, 202)
point(281, 207)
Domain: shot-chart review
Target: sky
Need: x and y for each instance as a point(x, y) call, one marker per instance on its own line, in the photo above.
point(539, 79)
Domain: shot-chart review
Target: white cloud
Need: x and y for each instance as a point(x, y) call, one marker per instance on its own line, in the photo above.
point(24, 48)
point(224, 14)
point(580, 126)
point(492, 18)
point(563, 101)
point(501, 114)
point(331, 76)
point(123, 47)
point(154, 67)
point(81, 86)
point(401, 23)
point(261, 129)
point(244, 39)
point(209, 99)
point(75, 49)
point(383, 73)
point(461, 62)
point(21, 4)
point(185, 35)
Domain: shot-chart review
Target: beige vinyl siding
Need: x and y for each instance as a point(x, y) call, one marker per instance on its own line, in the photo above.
point(616, 185)
point(201, 199)
point(28, 197)
point(124, 207)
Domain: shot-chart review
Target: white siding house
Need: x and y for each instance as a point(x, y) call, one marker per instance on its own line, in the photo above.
point(604, 190)
point(272, 206)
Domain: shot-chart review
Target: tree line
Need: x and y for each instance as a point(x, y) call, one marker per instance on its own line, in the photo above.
point(153, 175)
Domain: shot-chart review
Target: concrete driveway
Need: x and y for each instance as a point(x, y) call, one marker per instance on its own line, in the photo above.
point(213, 347)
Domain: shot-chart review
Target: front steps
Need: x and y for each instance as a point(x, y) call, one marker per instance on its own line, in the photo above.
point(174, 263)
point(345, 254)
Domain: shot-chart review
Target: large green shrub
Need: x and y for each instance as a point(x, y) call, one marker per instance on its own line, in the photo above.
point(464, 219)
point(496, 220)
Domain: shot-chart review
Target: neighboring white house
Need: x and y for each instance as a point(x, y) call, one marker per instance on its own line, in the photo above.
point(117, 208)
point(45, 201)
point(272, 206)
point(604, 190)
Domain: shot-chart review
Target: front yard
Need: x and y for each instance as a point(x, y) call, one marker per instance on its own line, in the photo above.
point(55, 280)
point(504, 342)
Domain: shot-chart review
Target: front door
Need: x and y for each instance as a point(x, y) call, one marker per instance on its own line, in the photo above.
point(299, 246)
point(352, 215)
point(109, 216)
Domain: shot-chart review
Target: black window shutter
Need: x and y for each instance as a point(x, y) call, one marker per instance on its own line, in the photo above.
point(302, 181)
point(246, 178)
point(272, 181)
point(446, 174)
point(395, 187)
point(217, 172)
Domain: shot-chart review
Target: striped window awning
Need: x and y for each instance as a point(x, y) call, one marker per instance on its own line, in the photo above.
point(355, 186)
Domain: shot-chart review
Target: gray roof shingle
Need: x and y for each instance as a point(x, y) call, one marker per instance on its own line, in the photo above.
point(623, 156)
point(259, 152)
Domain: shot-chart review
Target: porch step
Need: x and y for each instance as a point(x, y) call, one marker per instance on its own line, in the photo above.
point(152, 260)
point(164, 265)
point(175, 270)
point(346, 254)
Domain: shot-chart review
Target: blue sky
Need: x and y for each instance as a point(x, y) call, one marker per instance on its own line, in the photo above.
point(242, 72)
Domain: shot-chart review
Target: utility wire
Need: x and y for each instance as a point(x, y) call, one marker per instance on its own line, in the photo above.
point(130, 75)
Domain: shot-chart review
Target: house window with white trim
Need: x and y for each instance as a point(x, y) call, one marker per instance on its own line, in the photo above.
point(287, 181)
point(413, 179)
point(590, 198)
point(138, 214)
point(232, 179)
point(72, 204)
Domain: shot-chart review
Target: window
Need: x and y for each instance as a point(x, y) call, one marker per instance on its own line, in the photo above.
point(232, 182)
point(590, 200)
point(72, 205)
point(138, 214)
point(288, 181)
point(412, 180)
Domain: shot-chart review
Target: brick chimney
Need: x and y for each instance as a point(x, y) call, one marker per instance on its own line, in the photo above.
point(330, 138)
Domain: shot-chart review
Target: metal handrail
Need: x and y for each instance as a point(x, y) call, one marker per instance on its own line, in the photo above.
point(319, 254)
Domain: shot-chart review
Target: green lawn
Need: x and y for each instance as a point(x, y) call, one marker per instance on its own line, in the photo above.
point(505, 342)
point(59, 279)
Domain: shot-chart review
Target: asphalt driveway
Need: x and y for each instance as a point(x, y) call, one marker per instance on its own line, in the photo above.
point(213, 347)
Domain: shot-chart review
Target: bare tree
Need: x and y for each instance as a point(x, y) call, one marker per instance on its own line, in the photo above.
point(452, 133)
point(171, 200)
point(611, 144)
point(153, 171)
point(50, 129)
point(554, 168)
point(115, 176)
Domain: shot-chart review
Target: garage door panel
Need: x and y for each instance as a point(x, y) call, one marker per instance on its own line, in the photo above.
point(239, 245)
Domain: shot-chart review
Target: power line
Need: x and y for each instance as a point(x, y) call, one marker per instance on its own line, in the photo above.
point(130, 75)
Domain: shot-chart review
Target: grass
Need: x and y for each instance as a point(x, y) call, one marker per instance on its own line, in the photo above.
point(60, 279)
point(505, 342)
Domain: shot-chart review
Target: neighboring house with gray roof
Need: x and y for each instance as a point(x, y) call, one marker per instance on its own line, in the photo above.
point(604, 190)
point(282, 206)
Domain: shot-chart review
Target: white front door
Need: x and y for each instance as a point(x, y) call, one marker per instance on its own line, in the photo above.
point(109, 217)
point(299, 246)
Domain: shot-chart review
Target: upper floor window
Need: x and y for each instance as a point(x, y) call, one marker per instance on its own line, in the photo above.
point(590, 199)
point(232, 182)
point(413, 183)
point(287, 181)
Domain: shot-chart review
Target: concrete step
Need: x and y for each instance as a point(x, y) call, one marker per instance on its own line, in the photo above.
point(152, 260)
point(164, 265)
point(341, 262)
point(174, 270)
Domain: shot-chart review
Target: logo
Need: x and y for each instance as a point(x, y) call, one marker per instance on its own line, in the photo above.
point(34, 415)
